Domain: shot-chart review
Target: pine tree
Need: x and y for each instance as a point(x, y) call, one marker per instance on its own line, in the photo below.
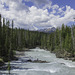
point(7, 39)
point(0, 36)
point(63, 34)
point(12, 35)
point(3, 38)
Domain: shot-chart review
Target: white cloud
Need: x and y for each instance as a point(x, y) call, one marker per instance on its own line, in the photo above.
point(41, 3)
point(55, 6)
point(34, 17)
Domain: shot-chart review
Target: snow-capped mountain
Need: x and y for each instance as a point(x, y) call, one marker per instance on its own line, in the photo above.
point(48, 30)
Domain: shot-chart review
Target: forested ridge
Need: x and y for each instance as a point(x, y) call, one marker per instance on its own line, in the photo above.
point(62, 41)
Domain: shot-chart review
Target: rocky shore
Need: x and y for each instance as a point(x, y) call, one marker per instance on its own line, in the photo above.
point(65, 55)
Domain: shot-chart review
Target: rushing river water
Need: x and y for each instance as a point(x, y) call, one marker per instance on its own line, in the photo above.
point(54, 66)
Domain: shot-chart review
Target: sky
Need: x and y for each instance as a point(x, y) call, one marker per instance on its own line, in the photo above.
point(38, 14)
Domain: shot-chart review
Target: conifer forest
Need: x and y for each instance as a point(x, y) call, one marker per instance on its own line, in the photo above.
point(37, 37)
point(61, 41)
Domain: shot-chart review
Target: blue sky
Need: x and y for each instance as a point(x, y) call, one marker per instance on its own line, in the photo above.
point(38, 14)
point(61, 3)
point(58, 2)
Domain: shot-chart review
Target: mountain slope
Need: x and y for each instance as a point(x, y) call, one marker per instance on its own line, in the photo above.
point(48, 30)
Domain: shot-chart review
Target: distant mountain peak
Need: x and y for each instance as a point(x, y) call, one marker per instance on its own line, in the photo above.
point(48, 30)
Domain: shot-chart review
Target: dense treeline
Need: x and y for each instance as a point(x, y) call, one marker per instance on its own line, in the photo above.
point(62, 41)
point(12, 39)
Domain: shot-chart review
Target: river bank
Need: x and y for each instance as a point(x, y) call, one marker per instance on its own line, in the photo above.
point(65, 55)
point(62, 54)
point(17, 54)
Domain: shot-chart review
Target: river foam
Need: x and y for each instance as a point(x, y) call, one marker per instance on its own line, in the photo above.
point(55, 66)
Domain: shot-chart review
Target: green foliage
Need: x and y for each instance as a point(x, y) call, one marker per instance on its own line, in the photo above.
point(63, 39)
point(8, 67)
point(1, 60)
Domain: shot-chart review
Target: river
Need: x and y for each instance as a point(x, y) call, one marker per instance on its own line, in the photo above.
point(52, 66)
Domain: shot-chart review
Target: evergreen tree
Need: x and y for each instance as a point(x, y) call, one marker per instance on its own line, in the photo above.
point(0, 36)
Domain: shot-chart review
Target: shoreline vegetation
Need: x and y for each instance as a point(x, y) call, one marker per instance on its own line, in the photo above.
point(61, 42)
point(1, 62)
point(65, 55)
